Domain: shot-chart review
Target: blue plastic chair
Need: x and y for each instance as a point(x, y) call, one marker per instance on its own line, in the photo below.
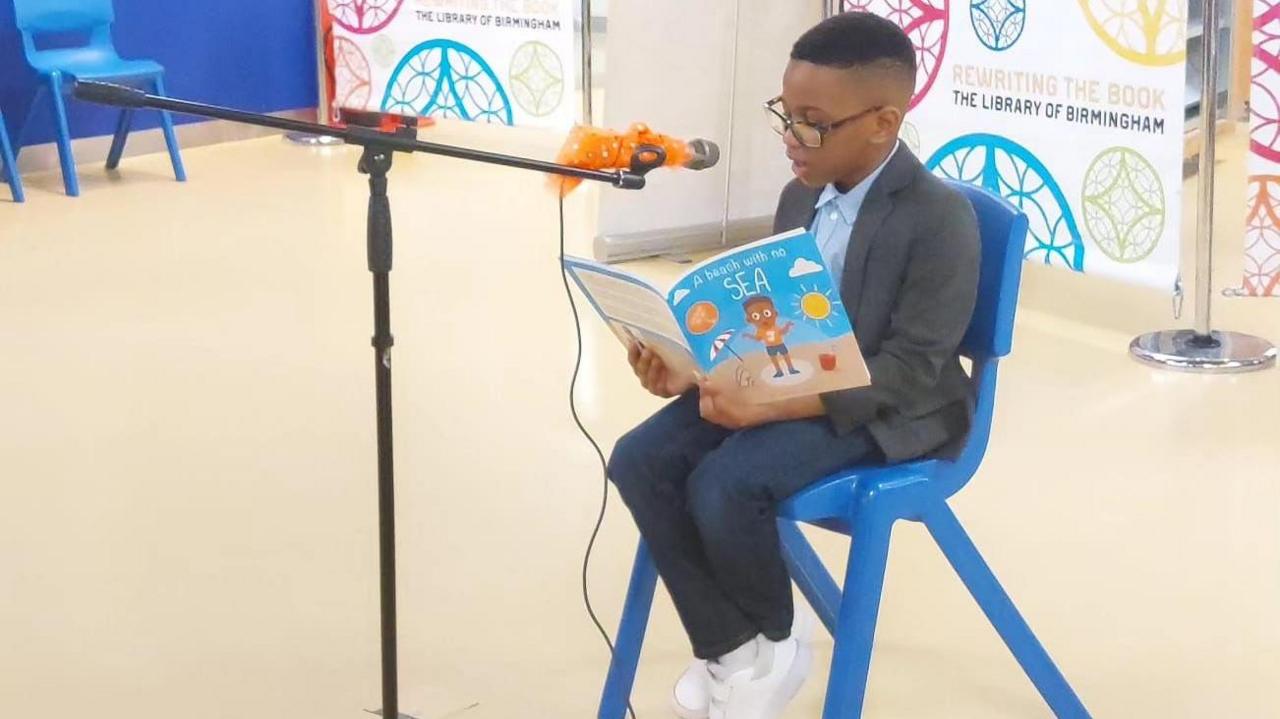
point(865, 503)
point(8, 165)
point(59, 69)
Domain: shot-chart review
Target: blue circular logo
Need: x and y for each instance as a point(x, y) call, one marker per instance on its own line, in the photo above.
point(998, 23)
point(1008, 169)
point(443, 78)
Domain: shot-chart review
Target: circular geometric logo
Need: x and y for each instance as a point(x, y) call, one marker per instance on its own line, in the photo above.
point(998, 23)
point(1008, 169)
point(444, 78)
point(1124, 204)
point(1264, 102)
point(536, 78)
point(910, 135)
point(384, 51)
point(350, 75)
point(1146, 32)
point(928, 25)
point(1262, 236)
point(363, 17)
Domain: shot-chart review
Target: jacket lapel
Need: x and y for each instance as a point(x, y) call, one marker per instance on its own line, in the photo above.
point(866, 229)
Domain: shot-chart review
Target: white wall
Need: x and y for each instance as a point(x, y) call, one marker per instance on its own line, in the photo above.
point(671, 65)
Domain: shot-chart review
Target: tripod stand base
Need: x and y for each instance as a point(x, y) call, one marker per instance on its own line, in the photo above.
point(378, 712)
point(1186, 351)
point(309, 140)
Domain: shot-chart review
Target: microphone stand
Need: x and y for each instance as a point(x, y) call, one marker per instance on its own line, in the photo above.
point(375, 161)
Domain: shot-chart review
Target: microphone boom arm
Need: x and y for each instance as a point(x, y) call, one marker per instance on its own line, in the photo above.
point(120, 96)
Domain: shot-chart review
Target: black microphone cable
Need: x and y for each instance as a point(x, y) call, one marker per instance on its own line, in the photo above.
point(604, 465)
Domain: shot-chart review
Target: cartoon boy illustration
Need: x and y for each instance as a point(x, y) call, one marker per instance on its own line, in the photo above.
point(763, 315)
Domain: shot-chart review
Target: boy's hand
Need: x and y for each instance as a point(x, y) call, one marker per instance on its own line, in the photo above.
point(654, 374)
point(729, 410)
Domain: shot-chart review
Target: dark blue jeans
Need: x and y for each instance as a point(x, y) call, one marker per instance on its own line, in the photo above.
point(705, 500)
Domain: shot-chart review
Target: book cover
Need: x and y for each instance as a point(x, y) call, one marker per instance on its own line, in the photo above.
point(765, 318)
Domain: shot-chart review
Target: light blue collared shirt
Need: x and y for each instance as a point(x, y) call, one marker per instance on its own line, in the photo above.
point(836, 214)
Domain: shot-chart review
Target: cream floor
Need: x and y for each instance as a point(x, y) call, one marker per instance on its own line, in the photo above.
point(187, 506)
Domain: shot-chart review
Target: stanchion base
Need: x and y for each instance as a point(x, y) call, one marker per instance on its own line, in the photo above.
point(1184, 350)
point(307, 139)
point(378, 712)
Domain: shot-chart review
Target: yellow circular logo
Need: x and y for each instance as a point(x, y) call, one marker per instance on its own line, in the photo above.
point(1146, 32)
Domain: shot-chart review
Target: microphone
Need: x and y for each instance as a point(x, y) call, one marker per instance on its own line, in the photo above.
point(105, 93)
point(596, 148)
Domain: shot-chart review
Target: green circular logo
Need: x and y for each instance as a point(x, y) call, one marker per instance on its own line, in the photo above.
point(384, 51)
point(1124, 205)
point(911, 136)
point(537, 78)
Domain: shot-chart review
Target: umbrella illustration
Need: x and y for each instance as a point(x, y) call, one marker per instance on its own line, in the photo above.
point(721, 342)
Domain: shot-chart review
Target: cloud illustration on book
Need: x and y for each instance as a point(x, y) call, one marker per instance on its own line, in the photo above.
point(679, 296)
point(804, 267)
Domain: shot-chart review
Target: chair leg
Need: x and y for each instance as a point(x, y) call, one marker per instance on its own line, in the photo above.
point(995, 603)
point(855, 632)
point(121, 136)
point(810, 574)
point(69, 178)
point(631, 630)
point(8, 165)
point(170, 139)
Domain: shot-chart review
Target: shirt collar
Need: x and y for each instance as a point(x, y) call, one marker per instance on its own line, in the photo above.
point(848, 203)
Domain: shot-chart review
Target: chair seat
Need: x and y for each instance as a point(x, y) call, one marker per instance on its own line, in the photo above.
point(831, 498)
point(92, 63)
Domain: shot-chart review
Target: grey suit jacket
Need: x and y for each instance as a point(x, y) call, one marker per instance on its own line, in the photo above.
point(910, 283)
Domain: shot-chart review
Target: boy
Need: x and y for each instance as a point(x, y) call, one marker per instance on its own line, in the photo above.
point(762, 315)
point(703, 477)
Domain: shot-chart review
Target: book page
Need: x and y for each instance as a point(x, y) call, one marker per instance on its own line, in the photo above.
point(634, 310)
point(627, 299)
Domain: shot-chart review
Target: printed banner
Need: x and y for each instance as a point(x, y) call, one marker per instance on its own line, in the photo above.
point(1262, 228)
point(1073, 110)
point(514, 62)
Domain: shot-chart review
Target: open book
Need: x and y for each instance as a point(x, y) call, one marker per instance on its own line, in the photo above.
point(764, 318)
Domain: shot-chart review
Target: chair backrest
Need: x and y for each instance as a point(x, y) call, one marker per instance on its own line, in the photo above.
point(38, 17)
point(1003, 231)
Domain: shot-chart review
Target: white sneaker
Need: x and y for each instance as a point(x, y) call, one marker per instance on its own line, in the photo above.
point(691, 696)
point(762, 691)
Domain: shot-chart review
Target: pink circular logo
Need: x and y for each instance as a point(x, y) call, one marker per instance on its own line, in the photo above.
point(927, 23)
point(1264, 105)
point(363, 17)
point(351, 75)
point(1262, 236)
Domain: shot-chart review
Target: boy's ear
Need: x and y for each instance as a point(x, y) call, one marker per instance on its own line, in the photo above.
point(888, 124)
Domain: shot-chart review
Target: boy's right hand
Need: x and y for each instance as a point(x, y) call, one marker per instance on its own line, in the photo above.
point(654, 374)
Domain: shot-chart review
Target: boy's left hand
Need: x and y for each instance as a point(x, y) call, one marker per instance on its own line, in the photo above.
point(728, 410)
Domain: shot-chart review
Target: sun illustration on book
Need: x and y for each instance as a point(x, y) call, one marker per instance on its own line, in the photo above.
point(816, 306)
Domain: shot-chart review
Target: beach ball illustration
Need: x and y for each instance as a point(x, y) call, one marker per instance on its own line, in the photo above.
point(1262, 236)
point(536, 78)
point(363, 17)
point(928, 25)
point(1146, 32)
point(1264, 102)
point(444, 78)
point(350, 75)
point(1008, 169)
point(998, 23)
point(1124, 204)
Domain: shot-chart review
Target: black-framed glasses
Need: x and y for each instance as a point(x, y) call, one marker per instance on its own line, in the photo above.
point(807, 133)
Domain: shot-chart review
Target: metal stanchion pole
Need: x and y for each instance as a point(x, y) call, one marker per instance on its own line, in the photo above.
point(1202, 348)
